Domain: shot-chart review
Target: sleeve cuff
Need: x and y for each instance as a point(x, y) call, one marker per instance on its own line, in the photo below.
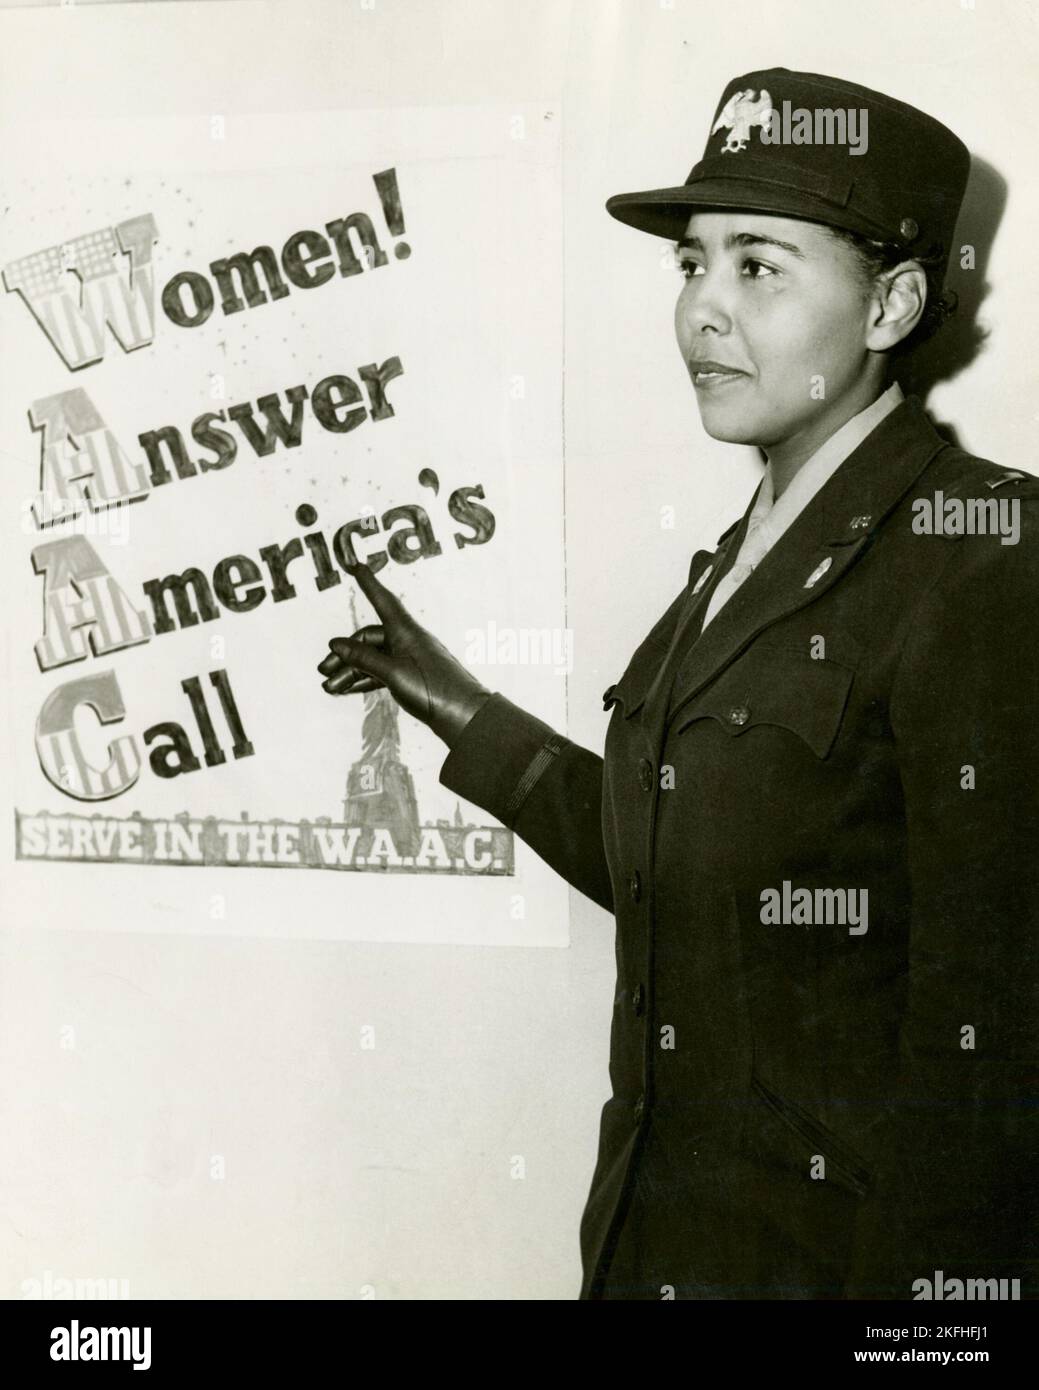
point(499, 756)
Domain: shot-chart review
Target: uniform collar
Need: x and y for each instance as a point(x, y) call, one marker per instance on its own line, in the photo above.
point(770, 516)
point(819, 547)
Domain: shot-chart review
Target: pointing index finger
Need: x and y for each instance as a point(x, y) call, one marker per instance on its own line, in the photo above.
point(386, 604)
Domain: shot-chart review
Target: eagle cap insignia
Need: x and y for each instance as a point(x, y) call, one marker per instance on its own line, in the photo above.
point(742, 111)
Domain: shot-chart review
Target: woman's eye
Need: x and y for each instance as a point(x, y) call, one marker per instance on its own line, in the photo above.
point(758, 269)
point(690, 268)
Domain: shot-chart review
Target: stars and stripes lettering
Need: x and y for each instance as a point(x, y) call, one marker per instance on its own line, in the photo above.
point(82, 462)
point(60, 751)
point(104, 278)
point(82, 604)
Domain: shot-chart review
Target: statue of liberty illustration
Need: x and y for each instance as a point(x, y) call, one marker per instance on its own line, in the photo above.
point(379, 788)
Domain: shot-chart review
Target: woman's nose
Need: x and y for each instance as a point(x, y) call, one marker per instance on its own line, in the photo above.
point(703, 307)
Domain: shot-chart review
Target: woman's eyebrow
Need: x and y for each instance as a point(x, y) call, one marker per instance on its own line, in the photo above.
point(693, 243)
point(756, 239)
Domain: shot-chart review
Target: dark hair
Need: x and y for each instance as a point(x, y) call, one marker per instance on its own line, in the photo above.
point(875, 257)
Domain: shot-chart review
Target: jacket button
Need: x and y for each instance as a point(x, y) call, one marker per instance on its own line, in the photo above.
point(645, 774)
point(738, 715)
point(638, 996)
point(635, 885)
point(640, 1109)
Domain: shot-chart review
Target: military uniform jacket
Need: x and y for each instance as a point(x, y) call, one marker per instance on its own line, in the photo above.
point(803, 1108)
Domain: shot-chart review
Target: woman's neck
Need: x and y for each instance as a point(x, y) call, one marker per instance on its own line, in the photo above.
point(788, 457)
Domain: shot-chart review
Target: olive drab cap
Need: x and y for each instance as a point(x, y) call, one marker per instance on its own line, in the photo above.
point(817, 148)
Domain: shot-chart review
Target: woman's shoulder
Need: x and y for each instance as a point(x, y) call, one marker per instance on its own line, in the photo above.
point(963, 474)
point(970, 564)
point(964, 497)
point(973, 531)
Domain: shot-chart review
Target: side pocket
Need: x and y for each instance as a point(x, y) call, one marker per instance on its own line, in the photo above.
point(841, 1162)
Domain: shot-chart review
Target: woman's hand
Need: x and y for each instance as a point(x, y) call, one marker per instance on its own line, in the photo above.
point(400, 655)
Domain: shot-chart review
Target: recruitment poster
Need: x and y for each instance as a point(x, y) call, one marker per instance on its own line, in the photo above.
point(243, 353)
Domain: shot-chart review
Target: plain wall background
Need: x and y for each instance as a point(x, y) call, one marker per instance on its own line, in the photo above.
point(391, 1169)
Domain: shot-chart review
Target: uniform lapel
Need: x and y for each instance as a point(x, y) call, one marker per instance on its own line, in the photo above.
point(691, 614)
point(836, 527)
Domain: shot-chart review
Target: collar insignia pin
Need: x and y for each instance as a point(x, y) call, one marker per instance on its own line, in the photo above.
point(859, 523)
point(702, 580)
point(818, 572)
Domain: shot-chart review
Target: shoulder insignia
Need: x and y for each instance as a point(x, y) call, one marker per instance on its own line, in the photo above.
point(967, 475)
point(1011, 476)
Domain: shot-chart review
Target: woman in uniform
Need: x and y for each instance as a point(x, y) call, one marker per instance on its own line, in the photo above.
point(817, 816)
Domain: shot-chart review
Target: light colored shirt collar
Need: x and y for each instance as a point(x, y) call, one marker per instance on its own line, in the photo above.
point(775, 515)
point(771, 517)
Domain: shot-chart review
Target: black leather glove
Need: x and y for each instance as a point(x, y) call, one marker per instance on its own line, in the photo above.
point(400, 655)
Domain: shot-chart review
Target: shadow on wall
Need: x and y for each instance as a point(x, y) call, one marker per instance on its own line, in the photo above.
point(962, 338)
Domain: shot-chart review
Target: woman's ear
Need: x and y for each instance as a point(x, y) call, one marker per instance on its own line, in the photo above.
point(897, 305)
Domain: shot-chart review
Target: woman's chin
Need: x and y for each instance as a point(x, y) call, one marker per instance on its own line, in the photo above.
point(726, 427)
point(731, 423)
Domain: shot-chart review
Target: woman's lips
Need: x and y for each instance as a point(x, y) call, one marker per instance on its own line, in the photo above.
point(714, 373)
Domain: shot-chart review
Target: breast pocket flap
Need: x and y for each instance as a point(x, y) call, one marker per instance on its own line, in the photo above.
point(776, 686)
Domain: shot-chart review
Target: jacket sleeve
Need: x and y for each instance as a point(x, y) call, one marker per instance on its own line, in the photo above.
point(956, 1180)
point(538, 784)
